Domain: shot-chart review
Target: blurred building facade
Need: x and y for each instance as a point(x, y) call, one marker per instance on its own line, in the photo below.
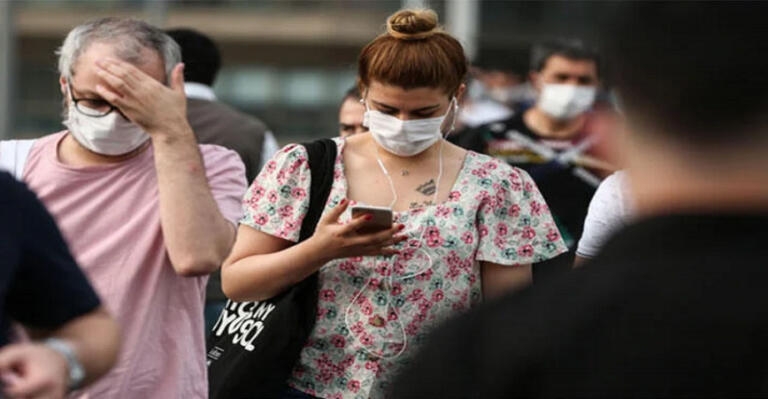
point(286, 61)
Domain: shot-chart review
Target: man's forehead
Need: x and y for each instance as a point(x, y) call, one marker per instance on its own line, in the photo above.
point(560, 63)
point(145, 59)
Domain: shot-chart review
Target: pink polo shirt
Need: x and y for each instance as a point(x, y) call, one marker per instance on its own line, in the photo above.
point(110, 217)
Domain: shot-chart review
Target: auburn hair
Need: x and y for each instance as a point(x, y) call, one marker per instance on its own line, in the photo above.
point(414, 52)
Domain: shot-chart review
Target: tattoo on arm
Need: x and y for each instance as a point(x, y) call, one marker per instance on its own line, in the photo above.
point(427, 188)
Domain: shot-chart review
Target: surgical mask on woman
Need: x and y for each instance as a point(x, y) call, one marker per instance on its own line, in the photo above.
point(410, 137)
point(565, 101)
point(111, 134)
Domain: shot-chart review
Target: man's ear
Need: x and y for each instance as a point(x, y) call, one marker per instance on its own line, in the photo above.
point(534, 79)
point(63, 85)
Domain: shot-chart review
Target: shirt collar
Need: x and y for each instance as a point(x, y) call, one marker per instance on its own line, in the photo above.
point(199, 91)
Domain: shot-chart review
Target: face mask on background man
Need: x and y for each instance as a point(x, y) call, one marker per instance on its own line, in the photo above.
point(563, 101)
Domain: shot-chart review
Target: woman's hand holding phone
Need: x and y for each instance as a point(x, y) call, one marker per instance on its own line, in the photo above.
point(361, 236)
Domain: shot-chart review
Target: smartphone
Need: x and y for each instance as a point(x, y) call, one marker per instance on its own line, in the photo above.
point(382, 217)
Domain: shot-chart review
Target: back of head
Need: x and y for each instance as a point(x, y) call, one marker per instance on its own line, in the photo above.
point(128, 37)
point(415, 52)
point(572, 49)
point(353, 94)
point(693, 72)
point(200, 54)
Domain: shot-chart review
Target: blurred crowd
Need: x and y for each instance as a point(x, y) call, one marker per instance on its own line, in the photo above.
point(591, 226)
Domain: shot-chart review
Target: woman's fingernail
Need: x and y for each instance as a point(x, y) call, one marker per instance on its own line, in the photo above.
point(343, 201)
point(401, 227)
point(368, 217)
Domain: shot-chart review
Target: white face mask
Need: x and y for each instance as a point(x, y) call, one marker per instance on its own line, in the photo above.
point(562, 101)
point(406, 138)
point(111, 134)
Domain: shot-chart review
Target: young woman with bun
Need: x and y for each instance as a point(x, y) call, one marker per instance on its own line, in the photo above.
point(466, 226)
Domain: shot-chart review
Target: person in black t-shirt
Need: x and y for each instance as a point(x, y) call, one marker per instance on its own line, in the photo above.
point(675, 304)
point(557, 140)
point(42, 288)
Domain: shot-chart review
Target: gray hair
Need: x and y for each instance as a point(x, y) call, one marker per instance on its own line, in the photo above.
point(128, 35)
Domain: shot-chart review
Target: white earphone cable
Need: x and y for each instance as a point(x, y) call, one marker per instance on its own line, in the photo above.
point(391, 271)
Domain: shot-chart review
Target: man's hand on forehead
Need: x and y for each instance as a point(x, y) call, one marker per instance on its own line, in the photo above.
point(157, 108)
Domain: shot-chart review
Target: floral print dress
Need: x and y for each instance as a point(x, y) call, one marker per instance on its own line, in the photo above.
point(373, 312)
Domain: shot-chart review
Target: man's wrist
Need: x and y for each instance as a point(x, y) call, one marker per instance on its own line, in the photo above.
point(171, 132)
point(75, 370)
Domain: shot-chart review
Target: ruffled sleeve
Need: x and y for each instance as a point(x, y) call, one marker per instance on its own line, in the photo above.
point(278, 199)
point(514, 222)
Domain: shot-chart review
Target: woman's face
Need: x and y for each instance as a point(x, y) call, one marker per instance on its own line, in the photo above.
point(418, 103)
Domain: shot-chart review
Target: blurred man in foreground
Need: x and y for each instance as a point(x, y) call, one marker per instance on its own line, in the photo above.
point(42, 288)
point(675, 304)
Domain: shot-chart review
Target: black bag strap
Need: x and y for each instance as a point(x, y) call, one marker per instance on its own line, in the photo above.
point(321, 156)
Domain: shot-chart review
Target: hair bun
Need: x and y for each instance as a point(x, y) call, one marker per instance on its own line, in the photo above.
point(412, 24)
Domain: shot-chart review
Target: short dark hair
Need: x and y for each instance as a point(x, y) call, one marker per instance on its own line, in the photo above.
point(200, 55)
point(352, 94)
point(572, 49)
point(694, 71)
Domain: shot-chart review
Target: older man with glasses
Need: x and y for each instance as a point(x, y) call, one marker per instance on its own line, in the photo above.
point(147, 211)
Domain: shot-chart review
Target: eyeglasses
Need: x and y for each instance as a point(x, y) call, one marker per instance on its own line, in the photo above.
point(90, 106)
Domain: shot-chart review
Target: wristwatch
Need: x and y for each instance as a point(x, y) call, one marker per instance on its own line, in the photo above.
point(76, 371)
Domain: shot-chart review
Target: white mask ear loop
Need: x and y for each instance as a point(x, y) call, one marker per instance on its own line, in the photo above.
point(364, 101)
point(454, 106)
point(391, 273)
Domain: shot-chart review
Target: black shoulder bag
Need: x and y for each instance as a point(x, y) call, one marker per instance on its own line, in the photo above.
point(254, 345)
